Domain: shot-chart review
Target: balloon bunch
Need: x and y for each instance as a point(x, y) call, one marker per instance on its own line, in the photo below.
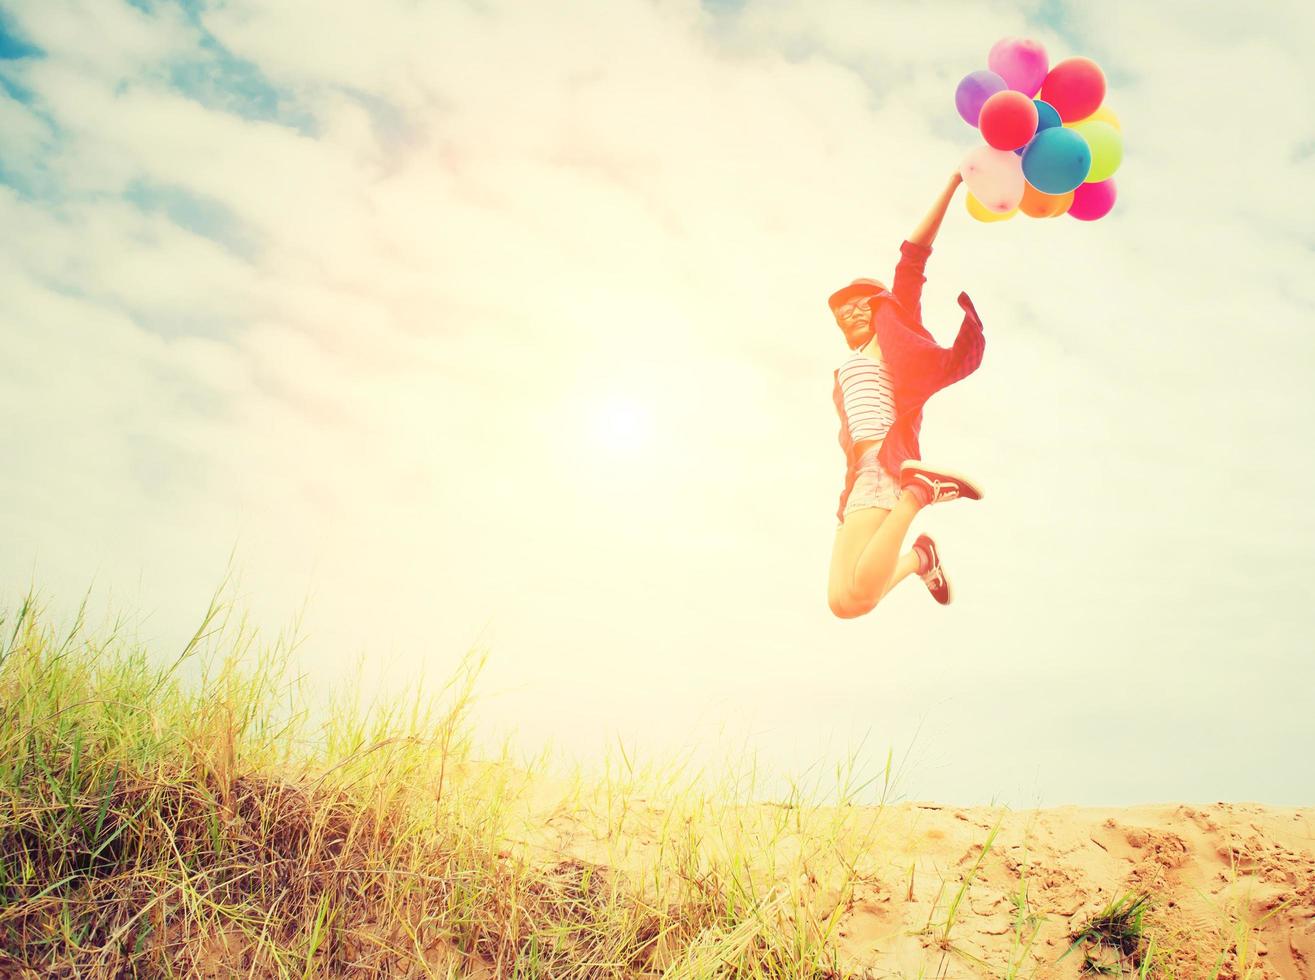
point(1047, 154)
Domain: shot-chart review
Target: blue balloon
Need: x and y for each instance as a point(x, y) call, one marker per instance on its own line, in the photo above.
point(1057, 160)
point(1046, 115)
point(1046, 118)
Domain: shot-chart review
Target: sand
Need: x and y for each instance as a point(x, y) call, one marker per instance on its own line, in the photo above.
point(1231, 885)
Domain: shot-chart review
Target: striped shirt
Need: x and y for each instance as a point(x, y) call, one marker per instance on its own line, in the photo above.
point(869, 398)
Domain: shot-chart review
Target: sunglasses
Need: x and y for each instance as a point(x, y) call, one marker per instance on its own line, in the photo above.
point(847, 310)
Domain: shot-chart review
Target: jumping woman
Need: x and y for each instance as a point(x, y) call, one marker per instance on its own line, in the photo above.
point(893, 367)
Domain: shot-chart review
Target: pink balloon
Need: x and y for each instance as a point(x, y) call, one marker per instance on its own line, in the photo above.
point(1093, 201)
point(1008, 120)
point(995, 177)
point(1075, 87)
point(1021, 62)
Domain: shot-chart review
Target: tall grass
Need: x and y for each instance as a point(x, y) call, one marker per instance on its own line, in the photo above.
point(190, 816)
point(187, 816)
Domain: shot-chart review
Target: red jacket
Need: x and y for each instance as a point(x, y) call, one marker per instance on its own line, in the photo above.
point(918, 367)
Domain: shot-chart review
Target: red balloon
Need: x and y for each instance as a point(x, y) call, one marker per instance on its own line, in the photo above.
point(1008, 120)
point(1075, 87)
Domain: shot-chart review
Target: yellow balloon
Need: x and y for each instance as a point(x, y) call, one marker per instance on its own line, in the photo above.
point(1106, 144)
point(1104, 114)
point(982, 213)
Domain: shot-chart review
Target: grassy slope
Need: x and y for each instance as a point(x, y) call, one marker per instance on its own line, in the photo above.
point(160, 827)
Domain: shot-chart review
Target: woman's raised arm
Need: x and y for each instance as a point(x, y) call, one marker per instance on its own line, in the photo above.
point(925, 233)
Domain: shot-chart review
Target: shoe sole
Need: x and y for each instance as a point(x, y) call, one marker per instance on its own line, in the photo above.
point(910, 466)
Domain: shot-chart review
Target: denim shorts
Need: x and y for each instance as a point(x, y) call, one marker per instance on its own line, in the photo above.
point(874, 485)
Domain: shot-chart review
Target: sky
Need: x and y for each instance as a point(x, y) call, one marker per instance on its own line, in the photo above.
point(502, 325)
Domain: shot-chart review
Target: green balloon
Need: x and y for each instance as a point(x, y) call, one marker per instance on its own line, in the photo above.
point(1106, 144)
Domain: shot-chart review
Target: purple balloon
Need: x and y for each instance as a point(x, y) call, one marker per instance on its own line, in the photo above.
point(1021, 62)
point(1092, 202)
point(973, 92)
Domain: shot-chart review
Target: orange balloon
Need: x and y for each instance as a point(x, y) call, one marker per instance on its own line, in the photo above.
point(1038, 205)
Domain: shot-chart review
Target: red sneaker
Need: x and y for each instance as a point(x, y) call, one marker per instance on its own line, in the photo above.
point(935, 485)
point(937, 582)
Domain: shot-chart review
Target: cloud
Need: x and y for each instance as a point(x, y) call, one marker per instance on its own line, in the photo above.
point(366, 293)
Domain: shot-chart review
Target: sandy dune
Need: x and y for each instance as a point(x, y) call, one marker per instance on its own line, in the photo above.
point(1232, 886)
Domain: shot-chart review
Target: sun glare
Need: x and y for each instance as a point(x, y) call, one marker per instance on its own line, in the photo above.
point(622, 425)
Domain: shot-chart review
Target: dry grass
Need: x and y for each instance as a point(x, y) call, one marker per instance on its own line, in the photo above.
point(189, 818)
point(157, 826)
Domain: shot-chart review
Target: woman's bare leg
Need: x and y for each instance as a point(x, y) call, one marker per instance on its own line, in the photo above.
point(865, 561)
point(876, 564)
point(906, 566)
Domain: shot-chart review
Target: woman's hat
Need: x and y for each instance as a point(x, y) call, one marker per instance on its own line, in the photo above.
point(859, 287)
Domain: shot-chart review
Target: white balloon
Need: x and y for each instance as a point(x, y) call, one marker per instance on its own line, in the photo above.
point(995, 177)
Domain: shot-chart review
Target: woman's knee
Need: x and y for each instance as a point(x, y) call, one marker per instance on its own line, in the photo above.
point(845, 605)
